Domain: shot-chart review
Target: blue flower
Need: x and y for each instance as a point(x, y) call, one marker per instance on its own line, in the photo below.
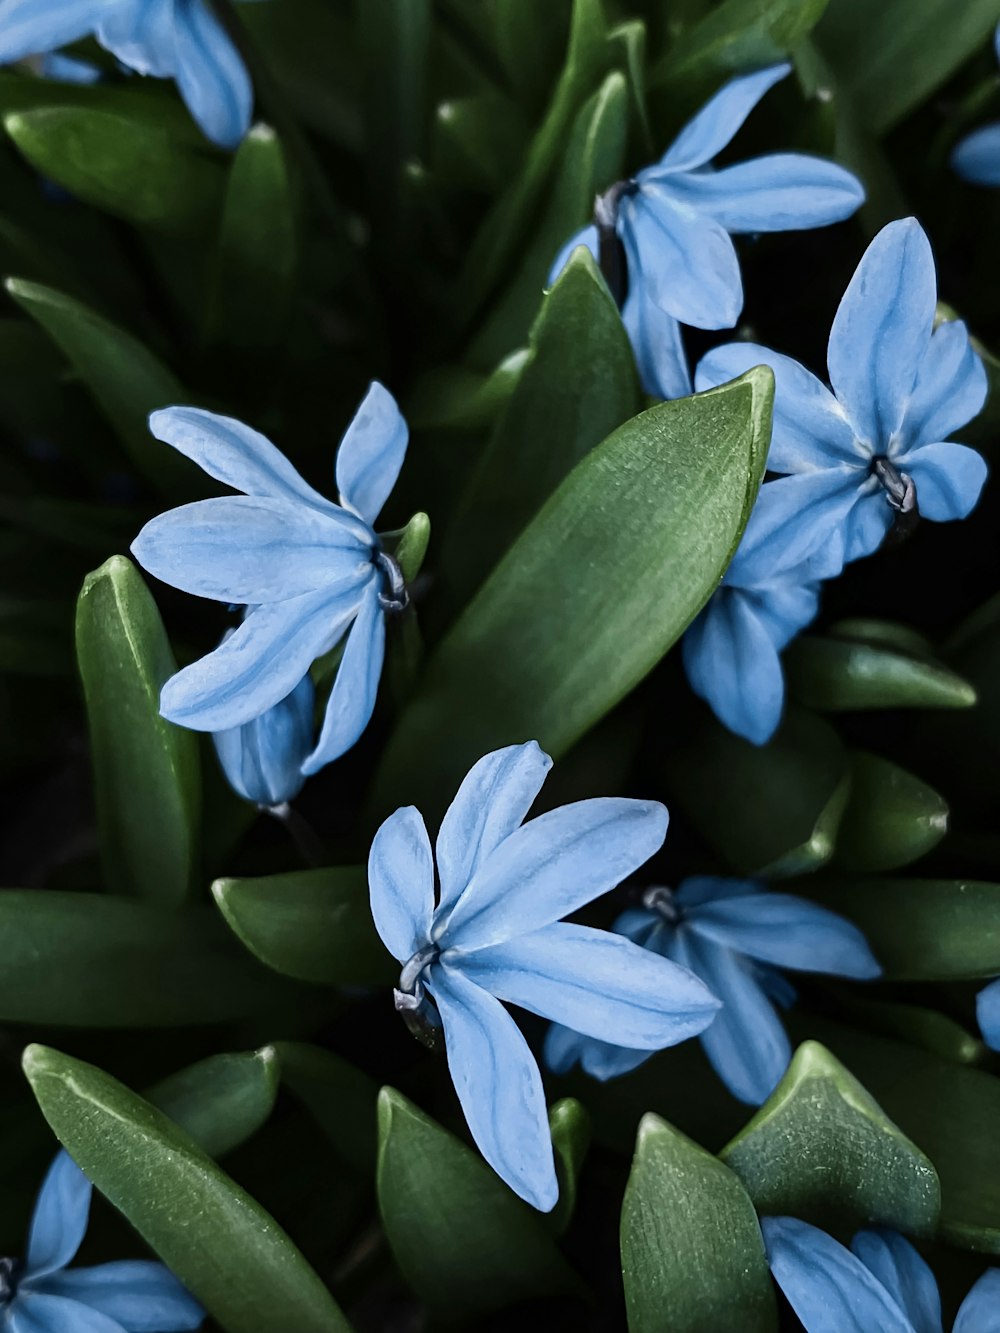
point(675, 218)
point(875, 446)
point(170, 39)
point(309, 571)
point(43, 1296)
point(495, 934)
point(263, 759)
point(988, 1014)
point(976, 158)
point(880, 1283)
point(67, 69)
point(733, 934)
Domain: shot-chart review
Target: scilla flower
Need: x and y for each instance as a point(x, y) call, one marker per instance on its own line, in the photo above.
point(875, 446)
point(308, 570)
point(170, 39)
point(733, 934)
point(674, 220)
point(43, 1295)
point(495, 934)
point(880, 1283)
point(988, 1014)
point(263, 758)
point(976, 158)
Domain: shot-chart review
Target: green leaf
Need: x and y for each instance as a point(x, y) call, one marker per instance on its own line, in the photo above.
point(529, 40)
point(823, 1150)
point(146, 771)
point(413, 545)
point(561, 630)
point(892, 818)
point(693, 1257)
point(340, 1097)
point(454, 398)
point(931, 1031)
point(578, 386)
point(477, 142)
point(770, 810)
point(464, 1242)
point(132, 166)
point(208, 1231)
point(222, 1100)
point(314, 925)
point(569, 1125)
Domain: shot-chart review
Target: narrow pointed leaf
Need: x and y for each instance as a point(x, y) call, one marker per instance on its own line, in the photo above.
point(569, 1124)
point(222, 1100)
point(892, 818)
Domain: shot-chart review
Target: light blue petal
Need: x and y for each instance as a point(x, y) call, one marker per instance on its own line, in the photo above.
point(881, 331)
point(371, 453)
point(262, 663)
point(142, 36)
point(586, 237)
point(656, 337)
point(498, 1085)
point(950, 390)
point(698, 889)
point(904, 1275)
point(352, 698)
point(780, 192)
point(144, 1297)
point(746, 1045)
point(551, 866)
point(686, 262)
point(976, 158)
point(980, 1311)
point(65, 69)
point(211, 75)
point(602, 1061)
point(401, 883)
point(827, 1286)
point(785, 607)
point(988, 1014)
point(493, 800)
point(948, 478)
point(810, 430)
point(596, 983)
point(262, 760)
point(59, 1222)
point(245, 550)
point(28, 28)
point(33, 1312)
point(718, 120)
point(788, 931)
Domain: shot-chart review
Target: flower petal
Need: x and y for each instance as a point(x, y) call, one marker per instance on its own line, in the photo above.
point(141, 36)
point(600, 1059)
point(656, 338)
point(980, 1311)
point(493, 800)
point(401, 883)
point(59, 1221)
point(780, 192)
point(551, 866)
point(976, 158)
point(810, 430)
point(262, 760)
point(30, 29)
point(144, 1297)
point(37, 1312)
point(948, 478)
point(828, 1287)
point(371, 453)
point(711, 129)
point(950, 390)
point(596, 983)
point(498, 1085)
point(895, 1263)
point(355, 688)
point(988, 1014)
point(882, 330)
point(211, 75)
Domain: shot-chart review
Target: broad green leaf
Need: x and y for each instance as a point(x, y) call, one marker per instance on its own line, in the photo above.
point(146, 771)
point(314, 925)
point(455, 398)
point(578, 386)
point(561, 630)
point(892, 818)
point(208, 1231)
point(770, 810)
point(124, 378)
point(569, 1125)
point(221, 1100)
point(465, 1243)
point(693, 1257)
point(340, 1097)
point(823, 1150)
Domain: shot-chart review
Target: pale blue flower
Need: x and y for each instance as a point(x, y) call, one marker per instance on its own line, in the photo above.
point(988, 1014)
point(169, 39)
point(43, 1295)
point(733, 934)
point(263, 758)
point(67, 69)
point(877, 445)
point(879, 1284)
point(309, 571)
point(976, 158)
point(495, 934)
point(675, 218)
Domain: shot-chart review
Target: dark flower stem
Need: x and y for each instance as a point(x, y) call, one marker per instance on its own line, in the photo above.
point(307, 841)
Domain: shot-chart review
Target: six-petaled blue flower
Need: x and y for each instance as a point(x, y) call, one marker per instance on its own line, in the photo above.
point(976, 158)
point(734, 935)
point(879, 1285)
point(495, 934)
point(43, 1295)
point(308, 570)
point(170, 39)
point(675, 219)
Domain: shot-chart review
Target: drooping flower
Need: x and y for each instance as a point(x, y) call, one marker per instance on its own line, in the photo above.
point(880, 1283)
point(674, 220)
point(309, 571)
point(877, 445)
point(988, 1014)
point(976, 158)
point(43, 1295)
point(263, 759)
point(735, 935)
point(495, 934)
point(169, 39)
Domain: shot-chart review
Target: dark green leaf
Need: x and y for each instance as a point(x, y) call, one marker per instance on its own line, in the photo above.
point(413, 546)
point(477, 142)
point(931, 1031)
point(529, 40)
point(222, 1100)
point(339, 1096)
point(892, 818)
point(569, 1124)
point(458, 399)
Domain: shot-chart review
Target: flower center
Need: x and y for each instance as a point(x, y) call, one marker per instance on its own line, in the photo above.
point(393, 596)
point(10, 1275)
point(413, 1003)
point(899, 488)
point(610, 251)
point(661, 900)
